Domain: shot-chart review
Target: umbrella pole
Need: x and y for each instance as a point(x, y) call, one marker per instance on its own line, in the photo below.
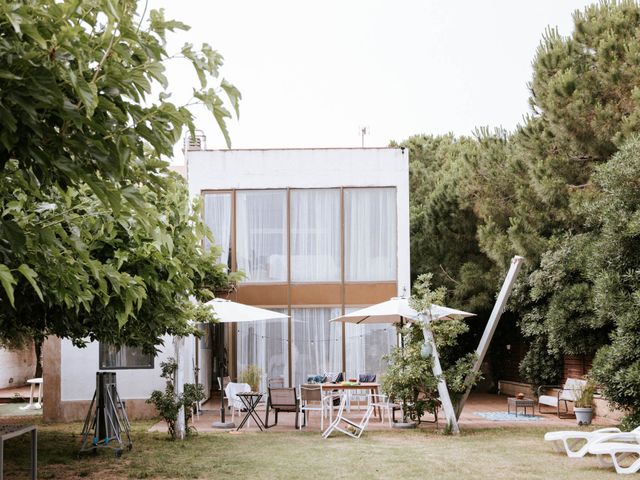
point(222, 423)
point(443, 390)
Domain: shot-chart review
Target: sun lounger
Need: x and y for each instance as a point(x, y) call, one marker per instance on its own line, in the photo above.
point(576, 443)
point(617, 451)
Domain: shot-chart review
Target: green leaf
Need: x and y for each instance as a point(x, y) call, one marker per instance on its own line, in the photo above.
point(234, 95)
point(31, 31)
point(15, 20)
point(88, 93)
point(31, 276)
point(9, 76)
point(7, 281)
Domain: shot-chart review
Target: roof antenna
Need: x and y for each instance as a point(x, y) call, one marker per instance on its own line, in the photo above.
point(364, 131)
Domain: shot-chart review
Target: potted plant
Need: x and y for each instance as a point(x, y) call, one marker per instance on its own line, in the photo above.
point(251, 375)
point(583, 407)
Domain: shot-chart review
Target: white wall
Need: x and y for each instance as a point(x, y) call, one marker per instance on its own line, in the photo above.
point(16, 366)
point(309, 168)
point(79, 366)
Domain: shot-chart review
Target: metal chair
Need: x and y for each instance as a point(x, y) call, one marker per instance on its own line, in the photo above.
point(282, 399)
point(313, 398)
point(352, 429)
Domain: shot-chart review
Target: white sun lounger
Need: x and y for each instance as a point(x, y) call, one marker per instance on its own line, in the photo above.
point(617, 451)
point(575, 443)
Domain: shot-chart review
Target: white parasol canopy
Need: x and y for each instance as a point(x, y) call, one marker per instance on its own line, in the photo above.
point(398, 310)
point(227, 311)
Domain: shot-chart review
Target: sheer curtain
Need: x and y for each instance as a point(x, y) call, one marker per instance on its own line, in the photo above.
point(265, 344)
point(217, 216)
point(317, 343)
point(261, 239)
point(370, 234)
point(315, 235)
point(124, 357)
point(366, 345)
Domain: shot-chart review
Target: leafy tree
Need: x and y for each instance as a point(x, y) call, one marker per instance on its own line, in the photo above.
point(584, 101)
point(409, 378)
point(443, 226)
point(614, 270)
point(97, 239)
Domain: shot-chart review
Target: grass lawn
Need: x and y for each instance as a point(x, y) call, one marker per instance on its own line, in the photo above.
point(483, 454)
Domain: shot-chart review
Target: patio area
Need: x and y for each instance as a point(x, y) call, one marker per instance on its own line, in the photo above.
point(489, 405)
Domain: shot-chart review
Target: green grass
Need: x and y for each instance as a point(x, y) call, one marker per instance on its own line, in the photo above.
point(483, 454)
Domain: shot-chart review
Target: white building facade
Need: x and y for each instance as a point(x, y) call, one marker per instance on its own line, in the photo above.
point(317, 233)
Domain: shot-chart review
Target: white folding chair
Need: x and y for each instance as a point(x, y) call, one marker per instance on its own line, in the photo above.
point(381, 401)
point(352, 428)
point(231, 391)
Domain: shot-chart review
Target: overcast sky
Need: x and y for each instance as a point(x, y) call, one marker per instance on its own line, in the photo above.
point(313, 73)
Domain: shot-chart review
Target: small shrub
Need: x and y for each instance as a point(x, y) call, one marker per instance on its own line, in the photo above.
point(168, 403)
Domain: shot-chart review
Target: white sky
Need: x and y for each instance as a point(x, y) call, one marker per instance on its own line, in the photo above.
point(312, 73)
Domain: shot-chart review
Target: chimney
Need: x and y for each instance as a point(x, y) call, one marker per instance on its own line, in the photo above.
point(196, 142)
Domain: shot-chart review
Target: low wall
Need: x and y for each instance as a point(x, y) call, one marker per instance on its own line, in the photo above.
point(601, 407)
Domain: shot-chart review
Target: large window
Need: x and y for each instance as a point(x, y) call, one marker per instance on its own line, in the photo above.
point(315, 235)
point(217, 216)
point(112, 357)
point(265, 344)
point(316, 346)
point(370, 234)
point(261, 235)
point(366, 346)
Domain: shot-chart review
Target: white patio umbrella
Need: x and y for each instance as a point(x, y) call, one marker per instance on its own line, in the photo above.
point(227, 311)
point(398, 310)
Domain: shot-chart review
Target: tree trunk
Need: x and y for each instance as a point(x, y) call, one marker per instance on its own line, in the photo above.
point(37, 345)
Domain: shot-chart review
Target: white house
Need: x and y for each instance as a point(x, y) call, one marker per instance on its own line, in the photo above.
point(317, 232)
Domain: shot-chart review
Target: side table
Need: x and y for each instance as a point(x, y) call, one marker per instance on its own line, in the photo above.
point(250, 400)
point(33, 382)
point(10, 431)
point(523, 403)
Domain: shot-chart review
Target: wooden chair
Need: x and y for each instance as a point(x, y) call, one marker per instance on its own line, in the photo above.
point(276, 382)
point(282, 399)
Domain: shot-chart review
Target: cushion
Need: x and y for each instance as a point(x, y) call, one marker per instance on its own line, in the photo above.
point(333, 377)
point(548, 400)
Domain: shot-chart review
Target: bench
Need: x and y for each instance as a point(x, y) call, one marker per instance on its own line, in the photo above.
point(568, 392)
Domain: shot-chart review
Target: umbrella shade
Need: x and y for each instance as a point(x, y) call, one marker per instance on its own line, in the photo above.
point(397, 310)
point(227, 311)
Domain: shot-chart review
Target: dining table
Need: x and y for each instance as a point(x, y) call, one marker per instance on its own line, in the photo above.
point(372, 387)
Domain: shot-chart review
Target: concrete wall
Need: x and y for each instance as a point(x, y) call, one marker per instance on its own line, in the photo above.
point(16, 366)
point(70, 379)
point(310, 168)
